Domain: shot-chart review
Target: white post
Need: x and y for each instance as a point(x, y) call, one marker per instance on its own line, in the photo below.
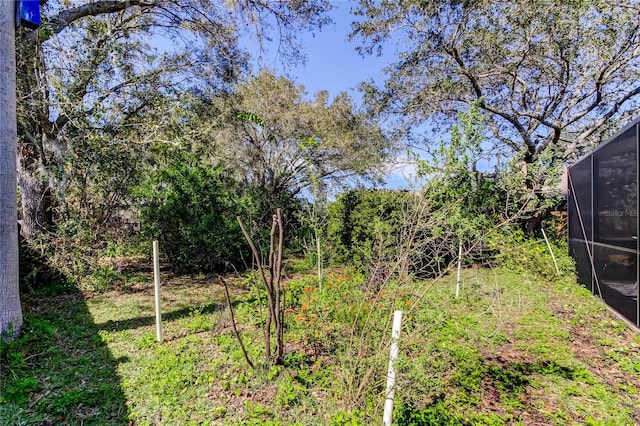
point(553, 257)
point(319, 260)
point(459, 269)
point(391, 374)
point(156, 282)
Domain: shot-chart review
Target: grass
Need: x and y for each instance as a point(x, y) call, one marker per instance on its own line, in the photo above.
point(514, 349)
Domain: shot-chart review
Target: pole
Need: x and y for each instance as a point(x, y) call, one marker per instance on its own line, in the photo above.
point(10, 308)
point(156, 282)
point(319, 260)
point(553, 257)
point(459, 269)
point(391, 374)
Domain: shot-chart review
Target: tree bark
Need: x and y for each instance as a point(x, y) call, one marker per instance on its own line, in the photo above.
point(35, 199)
point(10, 307)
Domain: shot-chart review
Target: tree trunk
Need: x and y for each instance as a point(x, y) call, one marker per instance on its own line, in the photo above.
point(33, 129)
point(10, 307)
point(533, 223)
point(35, 198)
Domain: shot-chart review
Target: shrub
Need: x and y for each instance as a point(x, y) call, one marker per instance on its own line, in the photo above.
point(191, 209)
point(531, 255)
point(397, 232)
point(360, 218)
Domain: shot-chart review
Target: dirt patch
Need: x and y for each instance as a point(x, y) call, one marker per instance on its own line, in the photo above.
point(596, 355)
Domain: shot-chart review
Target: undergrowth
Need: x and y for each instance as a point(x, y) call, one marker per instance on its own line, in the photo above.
point(517, 347)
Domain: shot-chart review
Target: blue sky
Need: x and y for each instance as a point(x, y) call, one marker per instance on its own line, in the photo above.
point(332, 61)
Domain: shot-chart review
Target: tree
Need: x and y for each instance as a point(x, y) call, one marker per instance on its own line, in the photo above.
point(113, 76)
point(550, 75)
point(89, 77)
point(277, 140)
point(11, 310)
point(314, 215)
point(272, 286)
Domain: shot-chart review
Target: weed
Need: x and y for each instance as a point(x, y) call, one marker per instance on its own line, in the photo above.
point(257, 411)
point(289, 393)
point(103, 278)
point(500, 354)
point(347, 418)
point(441, 414)
point(198, 320)
point(18, 389)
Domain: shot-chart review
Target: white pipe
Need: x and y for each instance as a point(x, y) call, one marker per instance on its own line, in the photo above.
point(156, 282)
point(459, 270)
point(319, 260)
point(544, 234)
point(391, 374)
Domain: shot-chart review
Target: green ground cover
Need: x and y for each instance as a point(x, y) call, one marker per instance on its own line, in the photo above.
point(514, 349)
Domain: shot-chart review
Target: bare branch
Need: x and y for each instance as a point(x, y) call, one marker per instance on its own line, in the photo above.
point(233, 323)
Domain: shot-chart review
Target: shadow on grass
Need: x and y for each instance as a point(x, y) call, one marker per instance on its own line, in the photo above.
point(59, 371)
point(133, 323)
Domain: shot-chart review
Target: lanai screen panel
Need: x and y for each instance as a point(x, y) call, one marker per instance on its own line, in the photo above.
point(580, 220)
point(603, 221)
point(615, 191)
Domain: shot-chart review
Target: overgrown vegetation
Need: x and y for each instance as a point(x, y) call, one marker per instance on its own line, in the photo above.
point(191, 210)
point(189, 146)
point(517, 347)
point(487, 353)
point(363, 222)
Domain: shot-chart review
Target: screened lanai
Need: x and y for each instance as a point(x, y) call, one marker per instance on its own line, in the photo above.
point(603, 221)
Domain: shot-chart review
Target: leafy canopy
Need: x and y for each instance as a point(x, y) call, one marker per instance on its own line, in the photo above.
point(275, 138)
point(549, 74)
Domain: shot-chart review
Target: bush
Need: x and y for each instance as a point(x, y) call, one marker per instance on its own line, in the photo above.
point(360, 218)
point(191, 209)
point(531, 255)
point(397, 232)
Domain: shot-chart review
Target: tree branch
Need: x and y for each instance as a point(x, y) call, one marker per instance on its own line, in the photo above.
point(63, 19)
point(233, 323)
